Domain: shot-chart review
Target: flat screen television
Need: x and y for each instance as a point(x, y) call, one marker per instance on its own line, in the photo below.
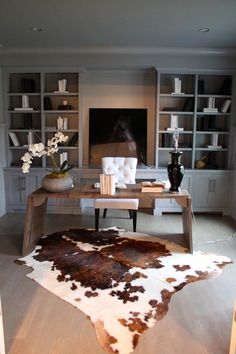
point(117, 132)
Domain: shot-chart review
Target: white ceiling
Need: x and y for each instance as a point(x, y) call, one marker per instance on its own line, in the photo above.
point(117, 24)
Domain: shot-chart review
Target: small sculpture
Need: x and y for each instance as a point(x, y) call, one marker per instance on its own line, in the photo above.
point(176, 138)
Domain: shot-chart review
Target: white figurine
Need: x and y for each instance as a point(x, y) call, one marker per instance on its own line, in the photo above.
point(176, 138)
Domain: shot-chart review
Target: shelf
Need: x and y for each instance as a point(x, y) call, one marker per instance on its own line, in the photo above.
point(69, 111)
point(207, 149)
point(171, 148)
point(215, 96)
point(211, 132)
point(23, 93)
point(60, 130)
point(27, 111)
point(179, 95)
point(180, 132)
point(213, 114)
point(199, 126)
point(25, 130)
point(42, 87)
point(61, 94)
point(176, 112)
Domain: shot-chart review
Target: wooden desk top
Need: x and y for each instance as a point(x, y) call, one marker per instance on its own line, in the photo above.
point(88, 191)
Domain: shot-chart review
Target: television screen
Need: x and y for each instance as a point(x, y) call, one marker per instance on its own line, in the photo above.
point(117, 132)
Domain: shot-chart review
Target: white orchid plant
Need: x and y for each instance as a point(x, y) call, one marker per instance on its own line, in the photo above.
point(39, 149)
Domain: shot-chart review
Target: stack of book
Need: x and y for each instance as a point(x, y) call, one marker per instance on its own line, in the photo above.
point(211, 106)
point(156, 187)
point(107, 184)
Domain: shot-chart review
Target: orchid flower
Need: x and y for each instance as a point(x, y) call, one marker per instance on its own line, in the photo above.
point(39, 149)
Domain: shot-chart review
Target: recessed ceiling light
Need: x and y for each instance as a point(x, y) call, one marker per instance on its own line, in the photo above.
point(204, 29)
point(36, 29)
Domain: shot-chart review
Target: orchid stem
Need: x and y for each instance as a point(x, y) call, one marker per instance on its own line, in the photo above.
point(54, 164)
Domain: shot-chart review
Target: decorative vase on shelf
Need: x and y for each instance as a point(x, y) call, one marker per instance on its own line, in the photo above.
point(175, 171)
point(57, 182)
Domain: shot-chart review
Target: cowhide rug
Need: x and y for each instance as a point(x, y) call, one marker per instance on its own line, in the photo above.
point(122, 281)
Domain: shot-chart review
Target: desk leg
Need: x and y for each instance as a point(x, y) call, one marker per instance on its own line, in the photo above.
point(34, 222)
point(187, 224)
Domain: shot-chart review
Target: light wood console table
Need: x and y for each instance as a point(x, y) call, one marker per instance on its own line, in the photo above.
point(37, 206)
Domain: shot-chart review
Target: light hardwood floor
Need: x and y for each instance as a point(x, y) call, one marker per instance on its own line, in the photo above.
point(199, 317)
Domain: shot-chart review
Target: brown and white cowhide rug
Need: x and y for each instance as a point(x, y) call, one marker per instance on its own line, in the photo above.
point(122, 281)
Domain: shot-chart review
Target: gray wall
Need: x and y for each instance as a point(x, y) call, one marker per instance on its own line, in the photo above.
point(2, 153)
point(120, 89)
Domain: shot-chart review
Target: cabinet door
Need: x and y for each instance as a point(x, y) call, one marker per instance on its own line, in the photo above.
point(202, 191)
point(18, 187)
point(15, 189)
point(33, 181)
point(220, 191)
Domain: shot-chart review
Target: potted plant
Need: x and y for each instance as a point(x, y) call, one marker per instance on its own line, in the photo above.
point(58, 179)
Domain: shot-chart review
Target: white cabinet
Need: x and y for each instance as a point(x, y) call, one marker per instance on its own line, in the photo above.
point(211, 191)
point(18, 187)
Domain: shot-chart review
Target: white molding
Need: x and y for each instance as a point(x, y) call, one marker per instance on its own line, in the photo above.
point(123, 50)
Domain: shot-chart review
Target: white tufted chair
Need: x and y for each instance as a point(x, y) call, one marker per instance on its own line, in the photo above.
point(124, 168)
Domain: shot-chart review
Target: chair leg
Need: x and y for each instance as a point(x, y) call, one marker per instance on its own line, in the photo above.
point(134, 220)
point(130, 214)
point(104, 213)
point(97, 219)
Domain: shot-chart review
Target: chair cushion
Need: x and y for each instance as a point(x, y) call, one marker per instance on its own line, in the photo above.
point(131, 204)
point(124, 168)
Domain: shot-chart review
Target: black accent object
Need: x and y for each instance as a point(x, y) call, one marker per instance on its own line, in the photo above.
point(188, 105)
point(27, 85)
point(201, 87)
point(175, 171)
point(47, 103)
point(28, 121)
point(226, 87)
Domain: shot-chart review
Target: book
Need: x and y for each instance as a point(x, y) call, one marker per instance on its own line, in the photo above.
point(225, 106)
point(214, 146)
point(155, 187)
point(188, 105)
point(14, 139)
point(28, 85)
point(210, 110)
point(174, 129)
point(23, 109)
point(73, 140)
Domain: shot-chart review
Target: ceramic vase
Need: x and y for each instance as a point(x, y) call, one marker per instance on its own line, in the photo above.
point(58, 184)
point(175, 171)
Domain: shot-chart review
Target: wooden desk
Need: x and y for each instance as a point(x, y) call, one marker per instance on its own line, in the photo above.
point(37, 205)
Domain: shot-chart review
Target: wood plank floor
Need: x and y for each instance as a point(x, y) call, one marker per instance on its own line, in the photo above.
point(199, 317)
